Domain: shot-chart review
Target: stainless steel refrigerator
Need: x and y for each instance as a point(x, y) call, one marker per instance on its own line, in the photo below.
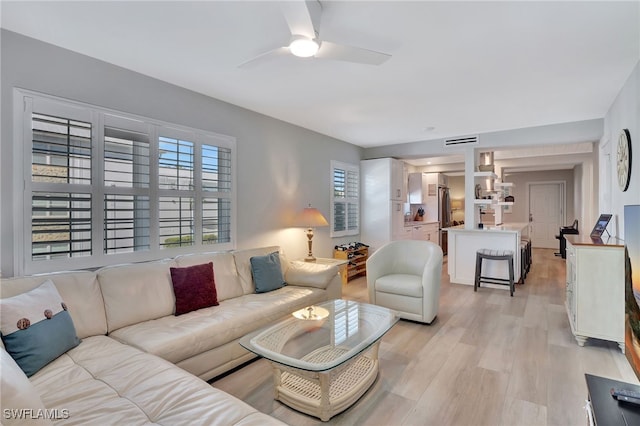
point(444, 215)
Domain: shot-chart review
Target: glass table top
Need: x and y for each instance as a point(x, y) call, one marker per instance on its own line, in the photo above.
point(323, 336)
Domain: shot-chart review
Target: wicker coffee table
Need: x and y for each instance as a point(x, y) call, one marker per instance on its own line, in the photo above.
point(324, 357)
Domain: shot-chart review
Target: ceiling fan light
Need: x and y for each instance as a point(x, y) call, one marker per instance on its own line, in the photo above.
point(303, 47)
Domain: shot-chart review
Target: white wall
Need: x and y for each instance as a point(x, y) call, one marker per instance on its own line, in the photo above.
point(280, 167)
point(624, 113)
point(577, 201)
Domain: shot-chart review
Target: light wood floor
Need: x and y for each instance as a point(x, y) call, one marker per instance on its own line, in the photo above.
point(488, 359)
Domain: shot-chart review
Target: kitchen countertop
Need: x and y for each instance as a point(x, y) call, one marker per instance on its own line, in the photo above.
point(508, 227)
point(418, 222)
point(585, 240)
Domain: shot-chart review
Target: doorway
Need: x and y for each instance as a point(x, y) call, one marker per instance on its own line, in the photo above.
point(546, 212)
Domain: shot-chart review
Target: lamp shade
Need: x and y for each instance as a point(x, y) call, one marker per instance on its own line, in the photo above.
point(310, 217)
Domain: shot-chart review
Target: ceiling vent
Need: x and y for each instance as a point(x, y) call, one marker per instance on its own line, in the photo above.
point(464, 140)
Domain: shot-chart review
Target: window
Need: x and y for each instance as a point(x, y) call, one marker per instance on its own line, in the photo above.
point(60, 185)
point(103, 187)
point(194, 210)
point(60, 225)
point(345, 199)
point(127, 220)
point(216, 187)
point(176, 170)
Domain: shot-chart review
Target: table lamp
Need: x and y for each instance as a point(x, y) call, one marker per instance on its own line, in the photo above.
point(310, 218)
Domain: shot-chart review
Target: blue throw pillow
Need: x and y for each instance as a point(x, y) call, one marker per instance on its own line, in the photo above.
point(267, 272)
point(36, 327)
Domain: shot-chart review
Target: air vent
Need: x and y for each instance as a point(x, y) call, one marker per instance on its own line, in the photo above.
point(465, 140)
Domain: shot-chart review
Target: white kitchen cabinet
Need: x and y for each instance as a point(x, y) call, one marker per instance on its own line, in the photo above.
point(398, 184)
point(431, 201)
point(405, 182)
point(424, 232)
point(418, 232)
point(397, 219)
point(417, 188)
point(432, 232)
point(382, 214)
point(423, 189)
point(595, 289)
point(406, 233)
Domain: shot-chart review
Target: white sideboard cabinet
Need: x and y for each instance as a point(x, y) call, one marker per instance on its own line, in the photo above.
point(595, 289)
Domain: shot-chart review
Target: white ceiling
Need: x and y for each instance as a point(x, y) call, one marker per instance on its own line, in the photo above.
point(460, 67)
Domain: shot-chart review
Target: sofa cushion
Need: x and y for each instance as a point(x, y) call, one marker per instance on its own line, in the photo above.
point(105, 382)
point(227, 280)
point(178, 338)
point(267, 272)
point(17, 394)
point(79, 290)
point(402, 284)
point(136, 293)
point(194, 287)
point(243, 265)
point(36, 327)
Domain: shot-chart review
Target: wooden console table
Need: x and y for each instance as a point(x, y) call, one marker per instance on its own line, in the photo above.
point(595, 289)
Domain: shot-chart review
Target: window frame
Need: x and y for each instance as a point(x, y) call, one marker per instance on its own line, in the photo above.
point(24, 101)
point(346, 200)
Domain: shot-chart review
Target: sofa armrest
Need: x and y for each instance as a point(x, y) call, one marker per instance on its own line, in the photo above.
point(307, 274)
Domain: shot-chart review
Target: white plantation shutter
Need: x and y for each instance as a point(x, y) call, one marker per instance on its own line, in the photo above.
point(216, 193)
point(59, 183)
point(353, 200)
point(345, 199)
point(193, 174)
point(127, 220)
point(176, 184)
point(104, 187)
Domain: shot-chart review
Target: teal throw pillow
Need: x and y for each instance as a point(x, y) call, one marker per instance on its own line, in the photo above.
point(36, 327)
point(267, 272)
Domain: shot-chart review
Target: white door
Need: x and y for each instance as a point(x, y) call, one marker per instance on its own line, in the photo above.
point(546, 208)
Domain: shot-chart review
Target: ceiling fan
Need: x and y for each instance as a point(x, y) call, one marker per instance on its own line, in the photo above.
point(303, 19)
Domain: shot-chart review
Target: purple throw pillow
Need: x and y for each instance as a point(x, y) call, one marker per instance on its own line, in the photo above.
point(194, 288)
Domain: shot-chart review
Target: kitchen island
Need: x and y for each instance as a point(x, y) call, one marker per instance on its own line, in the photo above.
point(464, 243)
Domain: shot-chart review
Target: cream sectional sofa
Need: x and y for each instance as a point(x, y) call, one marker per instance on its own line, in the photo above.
point(124, 371)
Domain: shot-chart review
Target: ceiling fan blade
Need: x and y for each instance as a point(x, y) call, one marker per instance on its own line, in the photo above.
point(358, 55)
point(303, 17)
point(265, 57)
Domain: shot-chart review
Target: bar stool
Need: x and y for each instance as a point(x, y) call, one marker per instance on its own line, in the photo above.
point(529, 252)
point(490, 254)
point(524, 261)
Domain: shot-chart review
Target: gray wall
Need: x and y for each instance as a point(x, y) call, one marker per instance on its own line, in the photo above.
point(280, 167)
point(552, 134)
point(521, 192)
point(623, 114)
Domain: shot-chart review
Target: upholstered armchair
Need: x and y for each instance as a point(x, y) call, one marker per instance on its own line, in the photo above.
point(405, 276)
